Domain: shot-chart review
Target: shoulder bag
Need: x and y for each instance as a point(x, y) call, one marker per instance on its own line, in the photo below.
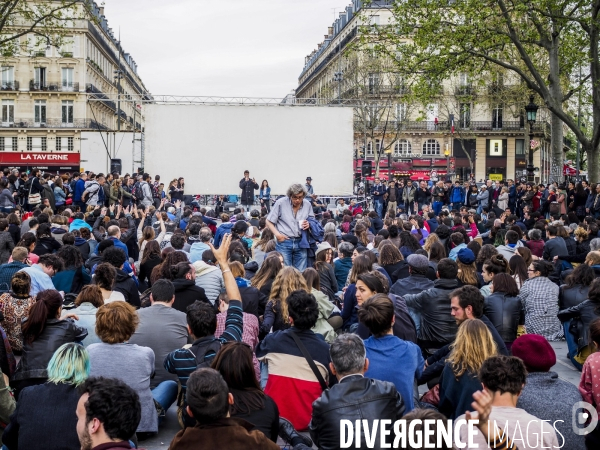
point(309, 360)
point(33, 199)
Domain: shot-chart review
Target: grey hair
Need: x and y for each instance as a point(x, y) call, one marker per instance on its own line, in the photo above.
point(535, 234)
point(348, 354)
point(329, 227)
point(346, 249)
point(205, 234)
point(296, 189)
point(595, 244)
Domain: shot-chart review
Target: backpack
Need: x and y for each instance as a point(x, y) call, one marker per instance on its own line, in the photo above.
point(155, 191)
point(138, 192)
point(101, 196)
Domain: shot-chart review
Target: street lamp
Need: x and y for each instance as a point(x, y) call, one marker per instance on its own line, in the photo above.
point(389, 153)
point(531, 111)
point(339, 77)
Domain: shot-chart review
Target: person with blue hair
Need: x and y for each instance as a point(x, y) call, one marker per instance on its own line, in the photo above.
point(46, 412)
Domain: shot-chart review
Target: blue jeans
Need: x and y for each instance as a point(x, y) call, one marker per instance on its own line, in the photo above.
point(457, 205)
point(437, 207)
point(378, 206)
point(293, 255)
point(165, 393)
point(571, 345)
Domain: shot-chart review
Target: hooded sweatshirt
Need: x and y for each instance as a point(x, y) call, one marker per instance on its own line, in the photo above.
point(196, 251)
point(210, 279)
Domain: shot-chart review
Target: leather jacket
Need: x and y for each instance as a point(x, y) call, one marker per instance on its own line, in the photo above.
point(504, 312)
point(438, 327)
point(569, 297)
point(353, 398)
point(583, 315)
point(37, 355)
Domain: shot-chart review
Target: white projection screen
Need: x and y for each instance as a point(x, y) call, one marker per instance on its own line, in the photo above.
point(212, 145)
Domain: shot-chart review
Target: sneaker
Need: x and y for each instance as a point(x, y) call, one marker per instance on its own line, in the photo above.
point(287, 432)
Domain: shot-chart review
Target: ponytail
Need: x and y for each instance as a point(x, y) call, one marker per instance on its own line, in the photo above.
point(46, 307)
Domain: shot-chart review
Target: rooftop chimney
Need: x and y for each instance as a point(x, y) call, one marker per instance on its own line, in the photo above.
point(101, 9)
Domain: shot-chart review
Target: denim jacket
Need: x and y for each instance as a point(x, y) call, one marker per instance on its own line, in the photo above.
point(265, 195)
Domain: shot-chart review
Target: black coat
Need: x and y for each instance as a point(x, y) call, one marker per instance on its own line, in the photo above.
point(45, 413)
point(569, 297)
point(329, 284)
point(46, 245)
point(402, 272)
point(504, 313)
point(247, 188)
point(126, 286)
point(186, 293)
point(146, 269)
point(37, 355)
point(252, 298)
point(583, 315)
point(353, 398)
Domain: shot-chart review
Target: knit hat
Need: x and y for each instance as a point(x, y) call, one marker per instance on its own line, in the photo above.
point(350, 238)
point(417, 261)
point(535, 351)
point(323, 246)
point(466, 256)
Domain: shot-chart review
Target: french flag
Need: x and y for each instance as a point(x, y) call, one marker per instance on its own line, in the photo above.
point(452, 124)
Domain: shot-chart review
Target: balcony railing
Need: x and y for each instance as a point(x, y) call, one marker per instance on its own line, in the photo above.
point(69, 86)
point(49, 123)
point(37, 86)
point(464, 90)
point(9, 85)
point(471, 126)
point(98, 94)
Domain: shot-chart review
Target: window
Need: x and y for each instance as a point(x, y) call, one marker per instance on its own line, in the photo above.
point(374, 20)
point(373, 83)
point(44, 144)
point(496, 147)
point(67, 79)
point(520, 147)
point(401, 112)
point(497, 116)
point(70, 142)
point(40, 112)
point(431, 147)
point(58, 144)
point(66, 50)
point(465, 115)
point(464, 79)
point(67, 112)
point(37, 144)
point(8, 77)
point(8, 144)
point(29, 143)
point(402, 148)
point(370, 147)
point(40, 78)
point(8, 111)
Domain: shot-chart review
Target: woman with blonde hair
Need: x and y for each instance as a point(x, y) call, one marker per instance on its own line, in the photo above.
point(431, 239)
point(288, 280)
point(467, 271)
point(503, 199)
point(114, 193)
point(473, 345)
point(146, 234)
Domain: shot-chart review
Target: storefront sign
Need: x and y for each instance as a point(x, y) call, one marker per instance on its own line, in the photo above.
point(495, 176)
point(39, 159)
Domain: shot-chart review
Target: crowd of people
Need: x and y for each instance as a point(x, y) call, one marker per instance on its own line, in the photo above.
point(275, 322)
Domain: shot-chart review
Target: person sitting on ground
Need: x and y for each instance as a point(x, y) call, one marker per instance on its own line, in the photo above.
point(457, 244)
point(437, 328)
point(124, 284)
point(234, 363)
point(19, 261)
point(473, 345)
point(105, 277)
point(377, 313)
point(354, 396)
point(39, 417)
point(327, 322)
point(264, 278)
point(495, 265)
point(555, 245)
point(343, 264)
point(41, 273)
point(173, 334)
point(503, 378)
point(545, 395)
point(74, 276)
point(202, 324)
point(252, 298)
point(285, 361)
point(14, 307)
point(150, 259)
point(209, 402)
point(511, 243)
point(86, 305)
point(43, 333)
point(99, 427)
point(183, 277)
point(503, 307)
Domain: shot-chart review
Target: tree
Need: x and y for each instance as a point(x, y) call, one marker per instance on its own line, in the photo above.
point(47, 20)
point(540, 42)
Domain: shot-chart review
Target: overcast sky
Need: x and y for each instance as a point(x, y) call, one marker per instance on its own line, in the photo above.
point(214, 48)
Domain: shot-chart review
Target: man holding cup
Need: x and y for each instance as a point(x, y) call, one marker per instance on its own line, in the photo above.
point(287, 220)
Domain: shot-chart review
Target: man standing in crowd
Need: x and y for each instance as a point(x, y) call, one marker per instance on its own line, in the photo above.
point(457, 196)
point(408, 197)
point(247, 186)
point(393, 195)
point(438, 194)
point(422, 196)
point(378, 191)
point(287, 220)
point(78, 190)
point(308, 186)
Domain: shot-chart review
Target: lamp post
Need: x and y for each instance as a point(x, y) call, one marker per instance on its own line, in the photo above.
point(447, 154)
point(339, 77)
point(389, 154)
point(531, 110)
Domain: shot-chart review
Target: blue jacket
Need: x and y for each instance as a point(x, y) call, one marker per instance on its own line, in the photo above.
point(264, 195)
point(457, 195)
point(342, 268)
point(79, 188)
point(222, 231)
point(316, 235)
point(512, 194)
point(78, 224)
point(381, 189)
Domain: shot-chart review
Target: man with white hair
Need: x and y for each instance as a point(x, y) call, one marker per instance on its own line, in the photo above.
point(287, 220)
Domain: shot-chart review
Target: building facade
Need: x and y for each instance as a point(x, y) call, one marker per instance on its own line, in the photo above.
point(51, 95)
point(469, 132)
